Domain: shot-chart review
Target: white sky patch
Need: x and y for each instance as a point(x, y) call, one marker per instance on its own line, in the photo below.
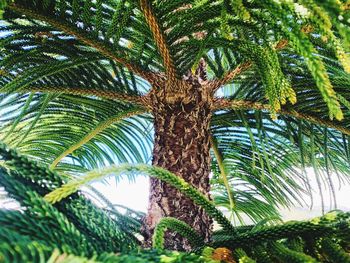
point(132, 195)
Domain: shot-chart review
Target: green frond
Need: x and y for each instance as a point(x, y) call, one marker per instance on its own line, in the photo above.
point(287, 136)
point(68, 16)
point(176, 225)
point(103, 231)
point(44, 231)
point(29, 170)
point(249, 147)
point(99, 128)
point(38, 252)
point(285, 254)
point(251, 144)
point(243, 257)
point(20, 116)
point(331, 224)
point(30, 251)
point(223, 172)
point(334, 252)
point(78, 123)
point(305, 48)
point(272, 233)
point(277, 88)
point(72, 72)
point(3, 4)
point(71, 187)
point(69, 239)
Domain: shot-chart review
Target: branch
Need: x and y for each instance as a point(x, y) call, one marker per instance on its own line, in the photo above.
point(159, 39)
point(223, 173)
point(229, 76)
point(152, 77)
point(106, 94)
point(98, 129)
point(220, 104)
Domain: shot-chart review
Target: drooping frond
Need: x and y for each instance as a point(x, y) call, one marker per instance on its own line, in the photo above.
point(28, 186)
point(74, 126)
point(272, 27)
point(147, 36)
point(97, 26)
point(302, 136)
point(276, 153)
point(67, 230)
point(157, 172)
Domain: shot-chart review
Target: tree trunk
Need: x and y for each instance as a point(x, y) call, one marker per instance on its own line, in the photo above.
point(181, 146)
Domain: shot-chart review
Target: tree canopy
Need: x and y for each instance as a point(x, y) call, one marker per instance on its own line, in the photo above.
point(72, 72)
point(77, 78)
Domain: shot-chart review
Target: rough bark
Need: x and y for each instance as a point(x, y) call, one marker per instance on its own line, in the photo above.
point(181, 124)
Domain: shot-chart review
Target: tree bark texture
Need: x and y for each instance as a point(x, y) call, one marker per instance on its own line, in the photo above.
point(181, 146)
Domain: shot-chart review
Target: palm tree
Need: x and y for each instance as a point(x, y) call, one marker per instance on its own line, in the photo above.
point(261, 83)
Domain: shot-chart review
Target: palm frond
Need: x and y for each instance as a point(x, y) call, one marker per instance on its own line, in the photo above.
point(67, 132)
point(267, 158)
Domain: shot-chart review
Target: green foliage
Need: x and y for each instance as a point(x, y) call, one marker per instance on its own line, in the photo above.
point(36, 252)
point(122, 27)
point(87, 122)
point(70, 67)
point(277, 88)
point(81, 52)
point(2, 6)
point(243, 257)
point(334, 252)
point(24, 252)
point(66, 236)
point(74, 230)
point(157, 172)
point(251, 143)
point(272, 233)
point(104, 233)
point(286, 255)
point(305, 48)
point(177, 225)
